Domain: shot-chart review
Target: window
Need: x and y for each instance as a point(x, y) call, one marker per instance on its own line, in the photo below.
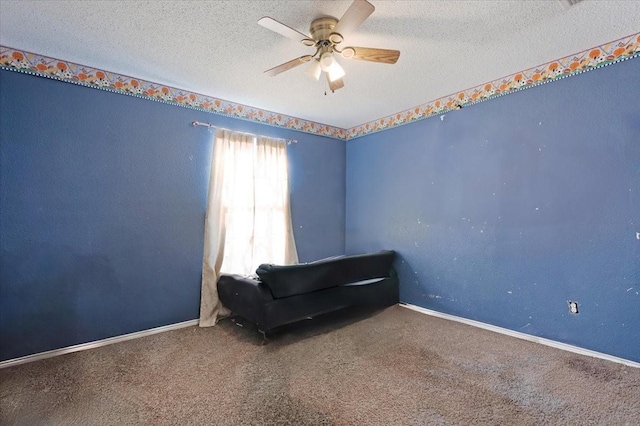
point(248, 219)
point(255, 204)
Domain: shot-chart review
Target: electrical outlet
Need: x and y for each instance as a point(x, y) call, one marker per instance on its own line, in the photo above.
point(573, 307)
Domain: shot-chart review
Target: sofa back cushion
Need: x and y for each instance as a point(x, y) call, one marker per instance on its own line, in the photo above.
point(291, 280)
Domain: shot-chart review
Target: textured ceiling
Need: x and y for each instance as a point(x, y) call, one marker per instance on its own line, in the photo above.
point(216, 47)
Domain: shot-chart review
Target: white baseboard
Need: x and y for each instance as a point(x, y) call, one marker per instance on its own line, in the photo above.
point(96, 344)
point(523, 336)
point(485, 326)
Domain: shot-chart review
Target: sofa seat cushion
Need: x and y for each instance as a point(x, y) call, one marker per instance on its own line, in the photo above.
point(364, 282)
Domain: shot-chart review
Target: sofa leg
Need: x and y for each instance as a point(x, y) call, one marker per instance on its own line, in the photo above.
point(265, 339)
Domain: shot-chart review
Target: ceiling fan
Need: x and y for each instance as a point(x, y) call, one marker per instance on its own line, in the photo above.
point(326, 35)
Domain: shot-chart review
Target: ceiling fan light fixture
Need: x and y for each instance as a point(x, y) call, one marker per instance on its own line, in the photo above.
point(335, 71)
point(326, 61)
point(314, 69)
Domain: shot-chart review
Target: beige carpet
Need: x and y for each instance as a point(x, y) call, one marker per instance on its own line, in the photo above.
point(393, 367)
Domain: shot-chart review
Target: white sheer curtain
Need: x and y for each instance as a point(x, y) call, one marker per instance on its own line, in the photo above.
point(248, 219)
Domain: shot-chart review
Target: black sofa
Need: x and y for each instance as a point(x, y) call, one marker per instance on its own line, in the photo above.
point(285, 294)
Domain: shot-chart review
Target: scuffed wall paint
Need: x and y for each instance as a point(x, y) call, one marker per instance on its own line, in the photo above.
point(504, 211)
point(102, 208)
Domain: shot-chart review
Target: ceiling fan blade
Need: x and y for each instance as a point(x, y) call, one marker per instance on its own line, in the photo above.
point(288, 65)
point(386, 56)
point(282, 29)
point(357, 13)
point(336, 84)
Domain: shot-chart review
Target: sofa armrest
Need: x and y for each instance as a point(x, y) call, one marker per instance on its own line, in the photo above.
point(244, 296)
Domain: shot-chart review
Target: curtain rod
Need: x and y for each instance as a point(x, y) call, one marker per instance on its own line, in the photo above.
point(199, 123)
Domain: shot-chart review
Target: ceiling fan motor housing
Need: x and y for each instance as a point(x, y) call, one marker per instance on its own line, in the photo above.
point(321, 29)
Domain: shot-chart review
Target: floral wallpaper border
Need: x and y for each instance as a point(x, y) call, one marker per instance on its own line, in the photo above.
point(606, 54)
point(57, 69)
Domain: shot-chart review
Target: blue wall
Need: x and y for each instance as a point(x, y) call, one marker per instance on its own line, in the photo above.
point(102, 210)
point(503, 211)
